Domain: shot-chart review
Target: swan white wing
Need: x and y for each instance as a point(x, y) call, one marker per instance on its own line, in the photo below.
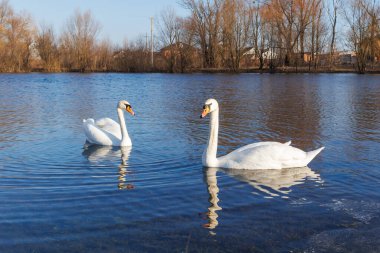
point(253, 145)
point(106, 122)
point(109, 125)
point(96, 135)
point(270, 156)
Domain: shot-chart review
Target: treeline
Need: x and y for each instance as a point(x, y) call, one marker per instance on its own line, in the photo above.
point(218, 35)
point(272, 34)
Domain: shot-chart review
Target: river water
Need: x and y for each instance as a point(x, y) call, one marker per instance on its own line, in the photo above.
point(59, 195)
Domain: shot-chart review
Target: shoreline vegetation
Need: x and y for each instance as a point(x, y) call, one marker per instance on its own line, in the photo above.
point(279, 70)
point(217, 36)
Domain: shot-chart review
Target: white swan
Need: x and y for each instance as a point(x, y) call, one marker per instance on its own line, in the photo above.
point(106, 131)
point(261, 155)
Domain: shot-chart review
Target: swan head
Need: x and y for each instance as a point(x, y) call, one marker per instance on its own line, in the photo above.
point(125, 105)
point(210, 106)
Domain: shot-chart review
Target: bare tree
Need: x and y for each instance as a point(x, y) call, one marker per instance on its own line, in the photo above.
point(333, 16)
point(373, 11)
point(47, 48)
point(320, 34)
point(103, 56)
point(5, 13)
point(188, 53)
point(18, 35)
point(304, 10)
point(258, 25)
point(78, 41)
point(271, 35)
point(132, 57)
point(206, 17)
point(285, 17)
point(170, 30)
point(235, 23)
point(361, 16)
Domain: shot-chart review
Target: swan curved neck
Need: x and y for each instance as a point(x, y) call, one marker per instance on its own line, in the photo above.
point(125, 140)
point(209, 155)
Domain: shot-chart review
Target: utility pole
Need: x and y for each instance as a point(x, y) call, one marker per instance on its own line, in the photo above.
point(151, 39)
point(146, 43)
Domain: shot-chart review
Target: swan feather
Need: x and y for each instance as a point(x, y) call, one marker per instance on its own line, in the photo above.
point(109, 125)
point(273, 155)
point(97, 135)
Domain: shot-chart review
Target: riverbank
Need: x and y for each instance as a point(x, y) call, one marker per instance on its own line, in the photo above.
point(291, 70)
point(287, 70)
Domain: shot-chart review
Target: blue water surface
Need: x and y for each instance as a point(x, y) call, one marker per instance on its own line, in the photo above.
point(58, 195)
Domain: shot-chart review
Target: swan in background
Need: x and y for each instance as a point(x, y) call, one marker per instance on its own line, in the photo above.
point(261, 155)
point(106, 131)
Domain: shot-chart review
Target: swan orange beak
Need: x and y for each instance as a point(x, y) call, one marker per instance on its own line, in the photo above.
point(206, 110)
point(129, 109)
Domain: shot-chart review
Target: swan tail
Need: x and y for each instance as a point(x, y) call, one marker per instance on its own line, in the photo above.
point(88, 121)
point(87, 124)
point(288, 143)
point(312, 154)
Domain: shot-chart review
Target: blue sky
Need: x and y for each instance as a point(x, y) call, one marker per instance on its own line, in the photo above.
point(119, 19)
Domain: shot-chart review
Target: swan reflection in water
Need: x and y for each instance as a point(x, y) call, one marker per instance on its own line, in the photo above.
point(99, 154)
point(213, 190)
point(270, 183)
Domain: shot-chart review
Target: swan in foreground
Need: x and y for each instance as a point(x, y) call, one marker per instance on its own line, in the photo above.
point(261, 155)
point(106, 131)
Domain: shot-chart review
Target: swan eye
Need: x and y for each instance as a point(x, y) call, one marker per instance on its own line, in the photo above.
point(207, 107)
point(206, 110)
point(128, 108)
